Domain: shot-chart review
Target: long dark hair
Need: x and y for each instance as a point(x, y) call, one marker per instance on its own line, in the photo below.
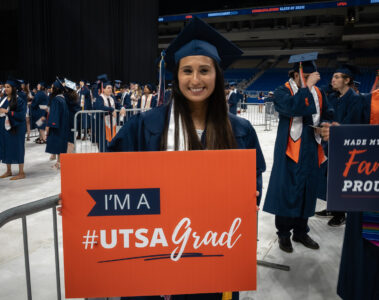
point(219, 133)
point(55, 91)
point(13, 100)
point(71, 95)
point(13, 106)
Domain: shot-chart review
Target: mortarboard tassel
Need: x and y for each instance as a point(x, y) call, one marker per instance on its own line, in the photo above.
point(162, 75)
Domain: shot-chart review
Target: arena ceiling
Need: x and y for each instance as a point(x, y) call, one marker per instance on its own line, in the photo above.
point(342, 30)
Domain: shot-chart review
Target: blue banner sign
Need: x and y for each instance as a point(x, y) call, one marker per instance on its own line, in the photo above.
point(353, 168)
point(125, 202)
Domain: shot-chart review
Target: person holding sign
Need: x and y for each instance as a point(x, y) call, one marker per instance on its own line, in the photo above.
point(292, 190)
point(342, 97)
point(359, 268)
point(196, 118)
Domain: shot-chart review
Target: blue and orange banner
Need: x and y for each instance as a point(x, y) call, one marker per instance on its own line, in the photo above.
point(159, 223)
point(353, 168)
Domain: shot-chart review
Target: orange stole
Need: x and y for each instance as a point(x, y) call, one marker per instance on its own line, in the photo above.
point(374, 112)
point(293, 147)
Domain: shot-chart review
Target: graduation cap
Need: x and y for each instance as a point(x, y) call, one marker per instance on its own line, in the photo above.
point(307, 61)
point(42, 83)
point(232, 83)
point(70, 84)
point(198, 38)
point(103, 81)
point(12, 82)
point(102, 77)
point(58, 83)
point(348, 69)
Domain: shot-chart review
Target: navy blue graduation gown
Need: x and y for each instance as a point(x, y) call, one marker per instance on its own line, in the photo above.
point(233, 100)
point(126, 101)
point(99, 134)
point(359, 269)
point(59, 127)
point(2, 130)
point(36, 112)
point(15, 138)
point(292, 189)
point(73, 108)
point(143, 132)
point(343, 114)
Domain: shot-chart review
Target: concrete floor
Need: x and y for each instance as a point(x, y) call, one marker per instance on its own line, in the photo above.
point(313, 273)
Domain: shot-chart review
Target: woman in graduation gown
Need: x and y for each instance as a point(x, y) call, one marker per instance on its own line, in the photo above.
point(15, 129)
point(198, 99)
point(58, 122)
point(72, 101)
point(359, 269)
point(106, 122)
point(148, 100)
point(38, 115)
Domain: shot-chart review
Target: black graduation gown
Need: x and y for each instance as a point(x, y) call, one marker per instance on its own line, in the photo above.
point(36, 112)
point(15, 138)
point(59, 127)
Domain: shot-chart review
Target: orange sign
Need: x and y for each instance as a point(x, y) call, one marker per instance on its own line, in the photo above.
point(159, 223)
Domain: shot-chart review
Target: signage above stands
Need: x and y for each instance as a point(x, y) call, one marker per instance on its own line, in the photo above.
point(270, 9)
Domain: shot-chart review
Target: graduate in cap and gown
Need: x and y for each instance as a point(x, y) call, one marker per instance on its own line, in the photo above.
point(84, 120)
point(58, 122)
point(233, 98)
point(197, 117)
point(13, 115)
point(298, 154)
point(359, 269)
point(148, 100)
point(72, 101)
point(106, 122)
point(38, 115)
point(340, 100)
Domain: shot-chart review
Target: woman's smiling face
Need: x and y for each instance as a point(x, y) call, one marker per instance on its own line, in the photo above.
point(197, 77)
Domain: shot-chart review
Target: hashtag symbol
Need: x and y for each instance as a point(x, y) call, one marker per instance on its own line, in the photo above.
point(90, 239)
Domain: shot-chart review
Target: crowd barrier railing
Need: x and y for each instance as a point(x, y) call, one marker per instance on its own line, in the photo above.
point(89, 130)
point(21, 212)
point(259, 114)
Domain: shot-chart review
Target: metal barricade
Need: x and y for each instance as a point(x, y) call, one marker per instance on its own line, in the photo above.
point(259, 114)
point(89, 129)
point(21, 212)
